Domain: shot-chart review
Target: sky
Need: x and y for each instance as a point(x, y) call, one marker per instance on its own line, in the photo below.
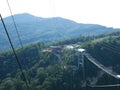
point(103, 12)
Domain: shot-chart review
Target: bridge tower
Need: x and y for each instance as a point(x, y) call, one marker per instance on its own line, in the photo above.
point(81, 53)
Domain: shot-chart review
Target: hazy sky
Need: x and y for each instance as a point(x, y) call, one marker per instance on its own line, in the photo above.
point(103, 12)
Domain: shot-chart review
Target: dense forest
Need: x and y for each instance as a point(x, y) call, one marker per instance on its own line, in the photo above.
point(45, 71)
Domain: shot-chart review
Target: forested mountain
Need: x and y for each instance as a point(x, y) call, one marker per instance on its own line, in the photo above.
point(47, 30)
point(45, 71)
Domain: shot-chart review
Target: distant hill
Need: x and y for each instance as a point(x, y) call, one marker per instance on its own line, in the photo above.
point(35, 29)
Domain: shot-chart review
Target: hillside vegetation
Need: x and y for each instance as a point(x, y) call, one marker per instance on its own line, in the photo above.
point(44, 70)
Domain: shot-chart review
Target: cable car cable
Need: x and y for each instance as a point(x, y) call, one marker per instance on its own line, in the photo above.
point(13, 49)
point(15, 24)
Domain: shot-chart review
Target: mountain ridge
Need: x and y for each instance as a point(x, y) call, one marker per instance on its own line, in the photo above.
point(37, 29)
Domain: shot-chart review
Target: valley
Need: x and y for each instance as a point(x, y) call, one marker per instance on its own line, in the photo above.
point(59, 54)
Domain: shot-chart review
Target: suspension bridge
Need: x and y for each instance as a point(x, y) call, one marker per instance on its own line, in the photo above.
point(83, 53)
point(80, 52)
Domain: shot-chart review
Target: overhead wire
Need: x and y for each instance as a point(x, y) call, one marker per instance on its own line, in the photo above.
point(14, 52)
point(102, 67)
point(19, 35)
point(114, 49)
point(105, 69)
point(111, 73)
point(56, 20)
point(105, 86)
point(19, 38)
point(110, 47)
point(15, 24)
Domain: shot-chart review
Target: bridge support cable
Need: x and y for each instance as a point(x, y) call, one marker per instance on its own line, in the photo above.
point(106, 70)
point(102, 67)
point(111, 48)
point(104, 86)
point(14, 52)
